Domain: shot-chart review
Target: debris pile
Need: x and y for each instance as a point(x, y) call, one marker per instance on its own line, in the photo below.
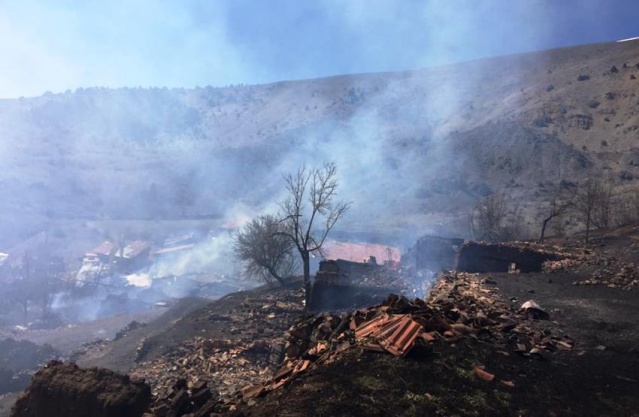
point(460, 307)
point(253, 347)
point(223, 364)
point(560, 265)
point(623, 275)
point(195, 400)
point(603, 270)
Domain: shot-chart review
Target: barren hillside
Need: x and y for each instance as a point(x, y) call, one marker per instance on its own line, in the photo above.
point(413, 148)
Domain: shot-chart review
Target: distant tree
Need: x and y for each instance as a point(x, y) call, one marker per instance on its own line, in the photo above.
point(603, 209)
point(586, 201)
point(561, 199)
point(492, 220)
point(626, 207)
point(34, 280)
point(184, 192)
point(267, 253)
point(310, 212)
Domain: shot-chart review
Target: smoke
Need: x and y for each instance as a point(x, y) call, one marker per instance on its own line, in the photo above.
point(402, 142)
point(212, 258)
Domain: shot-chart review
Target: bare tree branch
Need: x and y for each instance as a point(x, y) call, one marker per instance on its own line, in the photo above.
point(561, 200)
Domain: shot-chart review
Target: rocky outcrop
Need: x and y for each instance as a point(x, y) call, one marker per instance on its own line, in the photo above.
point(63, 390)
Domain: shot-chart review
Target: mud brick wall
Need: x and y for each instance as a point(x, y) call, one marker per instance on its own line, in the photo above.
point(486, 257)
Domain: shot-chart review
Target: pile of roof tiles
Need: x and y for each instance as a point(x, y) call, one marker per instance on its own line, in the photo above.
point(460, 307)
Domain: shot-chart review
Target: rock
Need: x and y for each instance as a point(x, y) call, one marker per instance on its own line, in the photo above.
point(533, 309)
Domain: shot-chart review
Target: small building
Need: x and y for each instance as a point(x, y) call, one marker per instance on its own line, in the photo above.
point(104, 252)
point(133, 256)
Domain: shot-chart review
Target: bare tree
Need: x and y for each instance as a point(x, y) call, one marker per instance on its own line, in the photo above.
point(561, 200)
point(603, 209)
point(490, 220)
point(310, 212)
point(493, 220)
point(487, 217)
point(586, 201)
point(266, 252)
point(626, 207)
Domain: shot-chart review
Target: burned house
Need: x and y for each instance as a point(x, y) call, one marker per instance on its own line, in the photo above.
point(432, 253)
point(435, 254)
point(96, 264)
point(341, 284)
point(107, 258)
point(488, 257)
point(133, 256)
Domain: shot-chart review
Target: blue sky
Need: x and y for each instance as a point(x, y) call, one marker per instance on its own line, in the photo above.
point(58, 45)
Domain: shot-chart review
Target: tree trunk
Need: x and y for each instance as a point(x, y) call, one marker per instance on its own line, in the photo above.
point(543, 229)
point(277, 277)
point(587, 228)
point(307, 278)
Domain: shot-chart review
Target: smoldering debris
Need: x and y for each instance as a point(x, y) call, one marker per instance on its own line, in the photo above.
point(459, 307)
point(250, 351)
point(259, 355)
point(341, 284)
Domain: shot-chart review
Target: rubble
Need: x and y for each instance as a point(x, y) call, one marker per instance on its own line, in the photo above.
point(249, 355)
point(259, 354)
point(194, 399)
point(614, 275)
point(460, 306)
point(602, 269)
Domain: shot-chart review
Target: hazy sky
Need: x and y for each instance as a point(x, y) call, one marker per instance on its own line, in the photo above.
point(55, 45)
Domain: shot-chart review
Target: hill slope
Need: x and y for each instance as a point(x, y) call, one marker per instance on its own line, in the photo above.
point(413, 147)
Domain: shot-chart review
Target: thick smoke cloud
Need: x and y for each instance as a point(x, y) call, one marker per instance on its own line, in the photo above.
point(158, 154)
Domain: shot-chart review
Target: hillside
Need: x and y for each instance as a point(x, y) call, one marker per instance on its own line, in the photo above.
point(413, 148)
